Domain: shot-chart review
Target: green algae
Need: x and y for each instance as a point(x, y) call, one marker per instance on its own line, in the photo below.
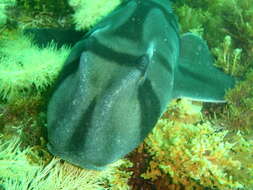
point(227, 27)
point(55, 7)
point(25, 67)
point(4, 4)
point(196, 153)
point(17, 172)
point(88, 13)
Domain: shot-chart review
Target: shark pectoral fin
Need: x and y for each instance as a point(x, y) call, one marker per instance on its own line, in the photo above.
point(43, 36)
point(196, 77)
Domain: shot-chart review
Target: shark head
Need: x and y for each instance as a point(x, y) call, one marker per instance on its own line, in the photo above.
point(118, 80)
point(104, 109)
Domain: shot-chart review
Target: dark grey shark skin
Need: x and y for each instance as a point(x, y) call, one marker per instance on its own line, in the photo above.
point(118, 80)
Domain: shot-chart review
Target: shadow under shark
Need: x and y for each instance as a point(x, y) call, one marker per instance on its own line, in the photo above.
point(119, 78)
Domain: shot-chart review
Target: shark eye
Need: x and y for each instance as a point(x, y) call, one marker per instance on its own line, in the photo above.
point(142, 65)
point(142, 79)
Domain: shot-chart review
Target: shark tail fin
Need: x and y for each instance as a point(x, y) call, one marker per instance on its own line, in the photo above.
point(196, 77)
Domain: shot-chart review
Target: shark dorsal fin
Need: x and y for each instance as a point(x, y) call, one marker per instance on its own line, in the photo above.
point(196, 77)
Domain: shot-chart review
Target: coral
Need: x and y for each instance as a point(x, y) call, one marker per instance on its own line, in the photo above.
point(194, 153)
point(24, 67)
point(88, 13)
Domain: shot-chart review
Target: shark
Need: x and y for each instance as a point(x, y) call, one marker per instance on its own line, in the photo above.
point(119, 78)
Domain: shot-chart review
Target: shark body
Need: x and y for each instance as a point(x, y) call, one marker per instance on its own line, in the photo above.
point(119, 78)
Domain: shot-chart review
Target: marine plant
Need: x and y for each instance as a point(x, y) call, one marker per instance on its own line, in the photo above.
point(191, 20)
point(229, 58)
point(3, 17)
point(239, 114)
point(3, 5)
point(197, 154)
point(181, 158)
point(55, 7)
point(25, 68)
point(18, 172)
point(228, 29)
point(227, 26)
point(224, 18)
point(240, 104)
point(88, 13)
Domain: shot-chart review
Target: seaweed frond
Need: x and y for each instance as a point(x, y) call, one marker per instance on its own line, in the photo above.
point(191, 20)
point(197, 154)
point(240, 104)
point(88, 13)
point(229, 58)
point(3, 5)
point(25, 68)
point(16, 172)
